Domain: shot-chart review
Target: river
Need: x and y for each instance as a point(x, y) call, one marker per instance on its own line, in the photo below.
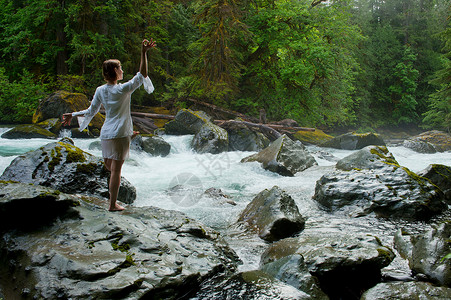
point(178, 182)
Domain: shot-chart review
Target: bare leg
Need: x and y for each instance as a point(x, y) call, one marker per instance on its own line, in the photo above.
point(115, 182)
point(108, 163)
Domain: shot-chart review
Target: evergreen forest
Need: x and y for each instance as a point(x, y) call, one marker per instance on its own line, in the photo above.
point(365, 64)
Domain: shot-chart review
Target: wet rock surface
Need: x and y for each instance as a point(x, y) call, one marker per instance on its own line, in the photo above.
point(344, 264)
point(406, 291)
point(371, 180)
point(83, 251)
point(187, 122)
point(243, 138)
point(283, 156)
point(440, 175)
point(429, 142)
point(67, 168)
point(210, 139)
point(425, 252)
point(273, 214)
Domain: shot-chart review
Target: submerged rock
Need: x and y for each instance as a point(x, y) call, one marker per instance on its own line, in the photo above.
point(141, 253)
point(274, 214)
point(243, 138)
point(28, 131)
point(345, 263)
point(283, 156)
point(69, 169)
point(354, 141)
point(426, 252)
point(429, 142)
point(406, 291)
point(210, 139)
point(187, 121)
point(371, 180)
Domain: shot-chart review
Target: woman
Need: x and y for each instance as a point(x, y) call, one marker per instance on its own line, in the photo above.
point(117, 131)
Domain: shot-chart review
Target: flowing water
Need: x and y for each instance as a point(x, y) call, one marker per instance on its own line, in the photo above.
point(179, 180)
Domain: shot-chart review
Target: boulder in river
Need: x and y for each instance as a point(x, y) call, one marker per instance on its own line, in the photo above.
point(243, 138)
point(62, 102)
point(152, 144)
point(345, 263)
point(78, 250)
point(274, 214)
point(28, 131)
point(52, 125)
point(371, 180)
point(440, 175)
point(406, 291)
point(67, 168)
point(429, 142)
point(426, 252)
point(354, 141)
point(283, 156)
point(187, 121)
point(315, 137)
point(210, 139)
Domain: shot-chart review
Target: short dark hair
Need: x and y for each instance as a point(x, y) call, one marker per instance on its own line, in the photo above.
point(109, 69)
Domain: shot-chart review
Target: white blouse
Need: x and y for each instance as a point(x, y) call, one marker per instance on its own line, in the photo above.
point(116, 101)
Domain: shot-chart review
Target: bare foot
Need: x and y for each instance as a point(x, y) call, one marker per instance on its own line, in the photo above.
point(117, 207)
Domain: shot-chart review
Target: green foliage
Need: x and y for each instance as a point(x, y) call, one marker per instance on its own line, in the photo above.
point(439, 113)
point(344, 62)
point(19, 99)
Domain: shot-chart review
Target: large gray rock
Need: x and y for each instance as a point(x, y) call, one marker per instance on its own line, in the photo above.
point(274, 214)
point(425, 252)
point(210, 139)
point(283, 156)
point(371, 180)
point(429, 142)
point(187, 122)
point(243, 138)
point(67, 168)
point(406, 291)
point(292, 270)
point(440, 175)
point(345, 263)
point(251, 285)
point(354, 141)
point(28, 131)
point(154, 145)
point(90, 253)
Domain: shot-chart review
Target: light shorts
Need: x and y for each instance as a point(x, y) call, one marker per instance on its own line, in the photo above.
point(117, 149)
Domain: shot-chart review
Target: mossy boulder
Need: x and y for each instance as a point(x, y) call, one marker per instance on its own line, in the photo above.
point(52, 125)
point(62, 102)
point(67, 168)
point(429, 142)
point(274, 214)
point(440, 175)
point(354, 141)
point(372, 181)
point(283, 156)
point(28, 131)
point(187, 122)
point(315, 137)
